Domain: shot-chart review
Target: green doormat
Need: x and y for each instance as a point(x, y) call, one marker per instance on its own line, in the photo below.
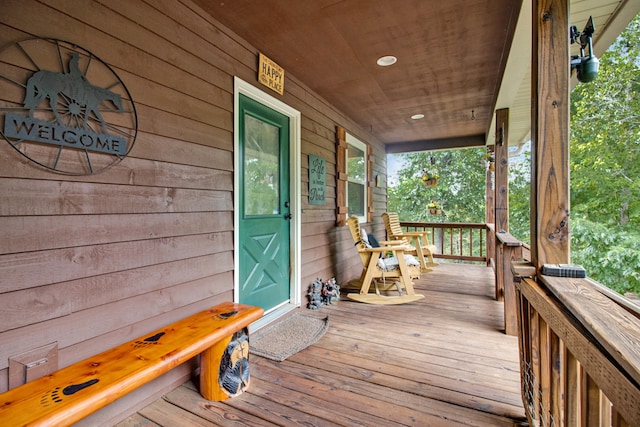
point(285, 338)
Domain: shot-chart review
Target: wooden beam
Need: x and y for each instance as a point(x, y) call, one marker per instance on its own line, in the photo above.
point(435, 144)
point(550, 74)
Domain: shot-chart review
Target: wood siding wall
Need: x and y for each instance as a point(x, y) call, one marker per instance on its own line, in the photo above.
point(93, 261)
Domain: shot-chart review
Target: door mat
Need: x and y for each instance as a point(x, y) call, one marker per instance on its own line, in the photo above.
point(285, 338)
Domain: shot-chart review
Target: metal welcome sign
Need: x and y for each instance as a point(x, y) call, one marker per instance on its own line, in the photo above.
point(63, 108)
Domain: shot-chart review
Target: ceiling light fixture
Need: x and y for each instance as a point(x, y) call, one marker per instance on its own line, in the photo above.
point(417, 117)
point(385, 61)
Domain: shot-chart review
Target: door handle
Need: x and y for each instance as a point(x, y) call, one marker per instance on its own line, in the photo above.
point(288, 216)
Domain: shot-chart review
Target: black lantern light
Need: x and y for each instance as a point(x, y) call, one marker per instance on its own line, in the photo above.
point(586, 66)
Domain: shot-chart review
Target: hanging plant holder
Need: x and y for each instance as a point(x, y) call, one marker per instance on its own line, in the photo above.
point(429, 178)
point(434, 208)
point(490, 159)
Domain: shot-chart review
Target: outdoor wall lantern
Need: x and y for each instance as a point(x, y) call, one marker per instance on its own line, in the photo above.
point(586, 66)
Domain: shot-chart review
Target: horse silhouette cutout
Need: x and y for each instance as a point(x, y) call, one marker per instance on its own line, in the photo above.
point(75, 87)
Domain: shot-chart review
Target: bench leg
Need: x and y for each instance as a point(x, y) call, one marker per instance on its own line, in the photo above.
point(224, 368)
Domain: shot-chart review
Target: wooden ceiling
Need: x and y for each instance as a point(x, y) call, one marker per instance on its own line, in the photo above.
point(451, 55)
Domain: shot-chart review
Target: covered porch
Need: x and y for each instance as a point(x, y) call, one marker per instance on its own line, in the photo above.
point(441, 361)
point(90, 261)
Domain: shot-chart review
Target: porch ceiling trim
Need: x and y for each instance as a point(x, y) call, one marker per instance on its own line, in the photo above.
point(436, 144)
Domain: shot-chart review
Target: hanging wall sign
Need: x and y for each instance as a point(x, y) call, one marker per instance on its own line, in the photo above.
point(63, 108)
point(271, 74)
point(317, 179)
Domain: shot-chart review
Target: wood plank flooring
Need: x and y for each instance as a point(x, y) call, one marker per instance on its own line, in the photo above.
point(442, 361)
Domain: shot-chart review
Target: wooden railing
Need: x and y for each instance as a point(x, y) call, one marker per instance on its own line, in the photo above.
point(458, 241)
point(579, 343)
point(579, 353)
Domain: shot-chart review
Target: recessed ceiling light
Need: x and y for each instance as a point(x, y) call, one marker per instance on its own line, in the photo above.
point(385, 61)
point(417, 116)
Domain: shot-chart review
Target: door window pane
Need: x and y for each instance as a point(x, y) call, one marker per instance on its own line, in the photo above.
point(261, 168)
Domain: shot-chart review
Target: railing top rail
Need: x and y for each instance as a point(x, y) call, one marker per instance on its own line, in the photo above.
point(622, 301)
point(507, 239)
point(617, 330)
point(443, 224)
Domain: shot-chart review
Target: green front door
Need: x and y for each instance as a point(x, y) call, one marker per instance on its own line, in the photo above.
point(264, 217)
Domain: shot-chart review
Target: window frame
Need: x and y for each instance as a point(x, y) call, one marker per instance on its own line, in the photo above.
point(354, 142)
point(342, 178)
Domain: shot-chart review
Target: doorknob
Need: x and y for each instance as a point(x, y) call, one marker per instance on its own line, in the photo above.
point(288, 216)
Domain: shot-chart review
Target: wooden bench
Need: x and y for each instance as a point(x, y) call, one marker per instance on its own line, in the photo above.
point(76, 391)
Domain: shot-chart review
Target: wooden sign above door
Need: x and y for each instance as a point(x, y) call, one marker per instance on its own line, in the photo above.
point(271, 74)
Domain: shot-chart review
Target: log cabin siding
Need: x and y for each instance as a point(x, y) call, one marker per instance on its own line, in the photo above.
point(92, 261)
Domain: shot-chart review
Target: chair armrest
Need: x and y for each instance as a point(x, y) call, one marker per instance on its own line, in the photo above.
point(392, 242)
point(394, 248)
point(412, 233)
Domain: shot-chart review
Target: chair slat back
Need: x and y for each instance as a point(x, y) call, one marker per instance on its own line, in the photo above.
point(392, 224)
point(354, 228)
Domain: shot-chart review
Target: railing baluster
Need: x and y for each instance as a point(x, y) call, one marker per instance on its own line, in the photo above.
point(617, 420)
point(545, 373)
point(605, 410)
point(592, 398)
point(555, 388)
point(572, 390)
point(535, 363)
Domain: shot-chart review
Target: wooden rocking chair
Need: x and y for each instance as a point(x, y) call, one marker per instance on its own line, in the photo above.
point(398, 269)
point(416, 240)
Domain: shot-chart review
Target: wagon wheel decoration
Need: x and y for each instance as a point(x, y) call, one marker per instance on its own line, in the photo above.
point(64, 108)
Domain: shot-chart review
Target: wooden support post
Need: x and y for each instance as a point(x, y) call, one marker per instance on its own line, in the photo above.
point(232, 351)
point(210, 361)
point(499, 259)
point(550, 72)
point(509, 249)
point(490, 216)
point(501, 200)
point(502, 170)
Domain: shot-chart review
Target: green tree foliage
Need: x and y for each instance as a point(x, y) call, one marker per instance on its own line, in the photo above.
point(605, 137)
point(461, 187)
point(611, 255)
point(605, 167)
point(519, 198)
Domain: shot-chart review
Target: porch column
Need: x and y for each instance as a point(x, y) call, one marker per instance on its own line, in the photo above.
point(550, 72)
point(490, 217)
point(507, 248)
point(502, 170)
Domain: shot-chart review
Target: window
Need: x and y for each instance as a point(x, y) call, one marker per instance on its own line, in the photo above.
point(356, 178)
point(354, 193)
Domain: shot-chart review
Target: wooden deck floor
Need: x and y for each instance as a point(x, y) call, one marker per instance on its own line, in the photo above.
point(442, 361)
